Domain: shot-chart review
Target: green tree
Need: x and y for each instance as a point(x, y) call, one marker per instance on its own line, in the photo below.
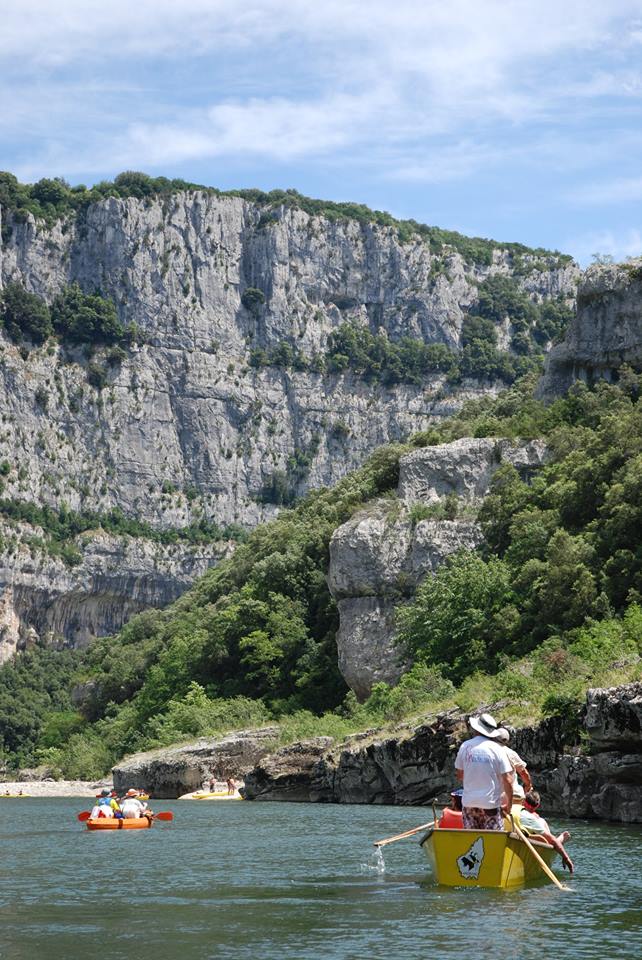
point(462, 617)
point(25, 314)
point(85, 318)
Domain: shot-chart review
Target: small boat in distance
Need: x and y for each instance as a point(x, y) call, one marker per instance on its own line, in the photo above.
point(483, 858)
point(211, 795)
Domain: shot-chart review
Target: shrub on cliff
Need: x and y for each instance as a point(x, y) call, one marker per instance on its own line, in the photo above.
point(85, 318)
point(24, 314)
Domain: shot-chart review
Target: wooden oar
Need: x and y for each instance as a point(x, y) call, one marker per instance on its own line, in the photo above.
point(545, 867)
point(402, 836)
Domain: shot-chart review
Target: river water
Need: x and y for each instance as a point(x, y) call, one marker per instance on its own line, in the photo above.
point(291, 882)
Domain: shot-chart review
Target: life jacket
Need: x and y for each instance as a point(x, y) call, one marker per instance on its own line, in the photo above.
point(451, 819)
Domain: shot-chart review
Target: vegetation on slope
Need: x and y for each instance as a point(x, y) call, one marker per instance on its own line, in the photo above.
point(550, 604)
point(52, 199)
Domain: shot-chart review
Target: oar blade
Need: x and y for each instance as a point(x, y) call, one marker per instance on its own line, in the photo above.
point(164, 815)
point(85, 815)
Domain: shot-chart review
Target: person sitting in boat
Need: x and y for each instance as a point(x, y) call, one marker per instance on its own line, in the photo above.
point(483, 766)
point(451, 817)
point(524, 813)
point(104, 804)
point(518, 765)
point(132, 808)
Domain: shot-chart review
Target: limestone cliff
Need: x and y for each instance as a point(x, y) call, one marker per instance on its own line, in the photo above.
point(41, 597)
point(606, 331)
point(184, 427)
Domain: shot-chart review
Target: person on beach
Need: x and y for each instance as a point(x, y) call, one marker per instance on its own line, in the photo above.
point(231, 786)
point(483, 766)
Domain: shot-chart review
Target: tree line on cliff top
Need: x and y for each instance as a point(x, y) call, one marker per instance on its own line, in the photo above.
point(550, 603)
point(51, 199)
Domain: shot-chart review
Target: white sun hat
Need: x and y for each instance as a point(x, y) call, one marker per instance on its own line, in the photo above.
point(486, 725)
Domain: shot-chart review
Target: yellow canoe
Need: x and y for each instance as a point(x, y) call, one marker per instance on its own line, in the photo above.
point(483, 858)
point(203, 795)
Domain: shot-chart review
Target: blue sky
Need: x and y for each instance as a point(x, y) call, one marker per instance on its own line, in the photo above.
point(515, 120)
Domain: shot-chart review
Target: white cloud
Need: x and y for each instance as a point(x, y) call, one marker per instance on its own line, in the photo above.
point(421, 88)
point(619, 245)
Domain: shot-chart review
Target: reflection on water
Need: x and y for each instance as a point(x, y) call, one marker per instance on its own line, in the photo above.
point(291, 882)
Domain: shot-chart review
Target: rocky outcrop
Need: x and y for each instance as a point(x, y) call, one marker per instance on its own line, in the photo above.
point(606, 783)
point(606, 331)
point(170, 772)
point(41, 597)
point(464, 468)
point(413, 765)
point(378, 558)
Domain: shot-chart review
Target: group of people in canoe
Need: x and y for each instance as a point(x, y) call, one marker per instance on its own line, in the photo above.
point(496, 786)
point(131, 806)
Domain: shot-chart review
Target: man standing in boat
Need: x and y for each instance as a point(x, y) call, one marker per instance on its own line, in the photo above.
point(483, 766)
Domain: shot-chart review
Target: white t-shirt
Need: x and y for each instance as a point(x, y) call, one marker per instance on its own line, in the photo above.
point(515, 759)
point(483, 762)
point(532, 822)
point(131, 808)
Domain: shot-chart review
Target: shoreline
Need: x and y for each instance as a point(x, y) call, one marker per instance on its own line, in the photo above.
point(51, 788)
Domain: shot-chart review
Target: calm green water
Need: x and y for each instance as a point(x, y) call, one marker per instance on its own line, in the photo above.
point(266, 881)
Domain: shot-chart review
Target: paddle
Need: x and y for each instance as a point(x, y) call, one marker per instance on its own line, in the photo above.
point(402, 836)
point(545, 867)
point(85, 815)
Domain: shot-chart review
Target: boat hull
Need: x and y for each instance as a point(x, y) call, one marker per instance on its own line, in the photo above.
point(116, 823)
point(483, 858)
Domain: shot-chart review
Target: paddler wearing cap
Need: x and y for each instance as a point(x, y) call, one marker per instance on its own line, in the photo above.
point(483, 766)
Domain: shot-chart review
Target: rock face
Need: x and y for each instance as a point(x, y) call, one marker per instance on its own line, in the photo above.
point(608, 783)
point(42, 597)
point(168, 773)
point(186, 407)
point(185, 427)
point(464, 468)
point(414, 765)
point(380, 556)
point(606, 331)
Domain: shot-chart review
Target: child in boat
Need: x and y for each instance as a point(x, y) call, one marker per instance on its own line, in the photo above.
point(524, 812)
point(103, 806)
point(452, 817)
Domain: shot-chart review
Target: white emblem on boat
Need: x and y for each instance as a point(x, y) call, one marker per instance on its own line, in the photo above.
point(470, 862)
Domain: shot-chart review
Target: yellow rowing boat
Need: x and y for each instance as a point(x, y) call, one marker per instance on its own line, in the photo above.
point(483, 858)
